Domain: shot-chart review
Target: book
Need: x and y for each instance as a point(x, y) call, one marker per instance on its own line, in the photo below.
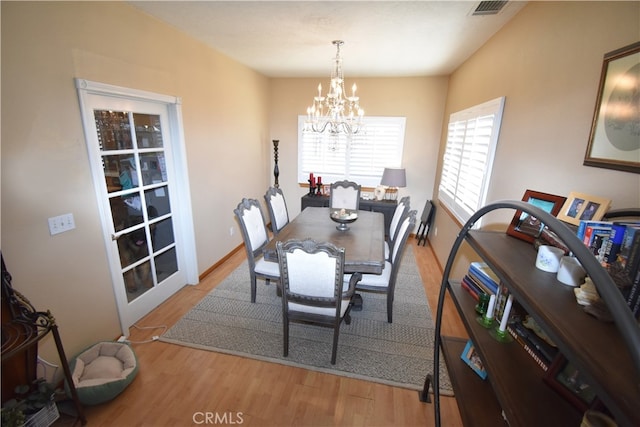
point(626, 246)
point(584, 224)
point(530, 350)
point(614, 243)
point(466, 286)
point(633, 259)
point(479, 284)
point(542, 348)
point(471, 358)
point(483, 273)
point(633, 299)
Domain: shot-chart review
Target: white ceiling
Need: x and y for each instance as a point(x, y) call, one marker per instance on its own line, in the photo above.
point(293, 38)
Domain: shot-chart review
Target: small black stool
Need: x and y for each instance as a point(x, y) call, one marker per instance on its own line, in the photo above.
point(425, 222)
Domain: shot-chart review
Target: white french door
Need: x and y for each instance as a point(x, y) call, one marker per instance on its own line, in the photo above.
point(137, 160)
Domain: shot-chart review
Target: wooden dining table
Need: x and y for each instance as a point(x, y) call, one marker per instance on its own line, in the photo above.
point(363, 242)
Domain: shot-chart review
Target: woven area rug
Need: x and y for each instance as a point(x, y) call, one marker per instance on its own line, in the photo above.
point(398, 354)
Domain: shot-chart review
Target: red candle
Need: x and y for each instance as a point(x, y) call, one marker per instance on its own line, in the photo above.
point(311, 177)
point(319, 180)
point(313, 182)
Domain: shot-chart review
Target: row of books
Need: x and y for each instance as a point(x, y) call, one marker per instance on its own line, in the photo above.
point(480, 279)
point(616, 245)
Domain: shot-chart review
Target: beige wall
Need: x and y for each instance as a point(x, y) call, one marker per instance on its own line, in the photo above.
point(547, 63)
point(45, 168)
point(419, 99)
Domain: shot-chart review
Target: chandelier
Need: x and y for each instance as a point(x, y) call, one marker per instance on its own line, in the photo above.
point(335, 113)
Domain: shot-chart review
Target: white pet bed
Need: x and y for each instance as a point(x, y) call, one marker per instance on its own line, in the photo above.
point(103, 371)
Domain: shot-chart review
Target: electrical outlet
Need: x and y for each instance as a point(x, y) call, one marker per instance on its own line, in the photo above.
point(230, 231)
point(435, 231)
point(61, 223)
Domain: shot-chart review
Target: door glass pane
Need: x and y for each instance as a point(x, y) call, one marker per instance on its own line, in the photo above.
point(125, 211)
point(148, 131)
point(138, 280)
point(166, 264)
point(153, 169)
point(114, 130)
point(120, 172)
point(162, 234)
point(133, 246)
point(157, 200)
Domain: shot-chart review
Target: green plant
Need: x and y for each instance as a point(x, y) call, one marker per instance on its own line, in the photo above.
point(29, 400)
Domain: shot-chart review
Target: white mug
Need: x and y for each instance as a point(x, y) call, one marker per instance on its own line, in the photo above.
point(548, 258)
point(570, 272)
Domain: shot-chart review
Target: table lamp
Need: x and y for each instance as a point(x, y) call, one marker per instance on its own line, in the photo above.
point(393, 178)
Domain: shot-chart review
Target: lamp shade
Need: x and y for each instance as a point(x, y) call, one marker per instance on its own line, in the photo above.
point(394, 177)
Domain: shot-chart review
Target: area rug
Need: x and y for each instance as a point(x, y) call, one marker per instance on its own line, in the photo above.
point(398, 354)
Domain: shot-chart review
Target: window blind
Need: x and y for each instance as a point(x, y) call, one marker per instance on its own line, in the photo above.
point(472, 137)
point(361, 159)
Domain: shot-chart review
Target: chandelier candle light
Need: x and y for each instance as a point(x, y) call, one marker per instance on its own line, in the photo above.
point(335, 113)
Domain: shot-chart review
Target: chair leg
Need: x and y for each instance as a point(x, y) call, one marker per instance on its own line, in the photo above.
point(253, 288)
point(334, 351)
point(285, 336)
point(389, 308)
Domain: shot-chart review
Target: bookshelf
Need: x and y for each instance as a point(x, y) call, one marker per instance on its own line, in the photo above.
point(606, 354)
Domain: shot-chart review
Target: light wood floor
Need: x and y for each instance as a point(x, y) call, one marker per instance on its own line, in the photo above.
point(180, 386)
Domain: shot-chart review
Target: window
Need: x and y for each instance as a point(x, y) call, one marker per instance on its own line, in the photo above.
point(466, 168)
point(362, 159)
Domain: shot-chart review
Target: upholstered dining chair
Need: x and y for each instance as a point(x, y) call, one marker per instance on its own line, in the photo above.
point(344, 194)
point(278, 212)
point(386, 282)
point(256, 237)
point(312, 277)
point(401, 210)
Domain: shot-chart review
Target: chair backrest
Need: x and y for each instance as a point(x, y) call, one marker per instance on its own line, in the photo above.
point(401, 210)
point(253, 227)
point(311, 273)
point(345, 194)
point(404, 230)
point(277, 209)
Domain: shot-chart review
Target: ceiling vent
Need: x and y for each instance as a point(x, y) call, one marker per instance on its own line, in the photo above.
point(489, 8)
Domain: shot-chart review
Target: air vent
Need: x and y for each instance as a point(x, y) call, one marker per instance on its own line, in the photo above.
point(489, 7)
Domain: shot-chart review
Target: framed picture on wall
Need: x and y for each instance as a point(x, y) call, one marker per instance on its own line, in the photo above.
point(614, 141)
point(527, 227)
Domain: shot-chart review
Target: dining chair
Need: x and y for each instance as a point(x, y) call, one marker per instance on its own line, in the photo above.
point(401, 210)
point(256, 237)
point(386, 282)
point(278, 212)
point(313, 287)
point(344, 194)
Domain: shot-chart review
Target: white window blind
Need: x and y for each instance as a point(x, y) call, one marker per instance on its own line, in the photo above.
point(361, 159)
point(472, 137)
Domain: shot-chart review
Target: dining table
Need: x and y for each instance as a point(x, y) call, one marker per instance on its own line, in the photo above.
point(363, 241)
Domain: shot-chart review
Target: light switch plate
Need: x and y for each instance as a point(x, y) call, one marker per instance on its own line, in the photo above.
point(61, 223)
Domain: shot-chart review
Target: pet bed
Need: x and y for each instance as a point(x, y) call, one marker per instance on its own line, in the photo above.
point(103, 371)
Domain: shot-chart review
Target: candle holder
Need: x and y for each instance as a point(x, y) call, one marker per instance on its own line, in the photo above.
point(319, 189)
point(276, 170)
point(500, 336)
point(312, 190)
point(486, 322)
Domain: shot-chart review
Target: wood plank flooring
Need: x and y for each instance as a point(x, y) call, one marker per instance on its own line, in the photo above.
point(180, 386)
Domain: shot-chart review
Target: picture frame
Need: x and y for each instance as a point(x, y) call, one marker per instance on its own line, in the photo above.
point(471, 358)
point(585, 207)
point(613, 140)
point(566, 380)
point(528, 228)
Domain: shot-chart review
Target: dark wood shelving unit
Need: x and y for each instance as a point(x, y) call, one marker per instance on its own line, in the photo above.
point(606, 354)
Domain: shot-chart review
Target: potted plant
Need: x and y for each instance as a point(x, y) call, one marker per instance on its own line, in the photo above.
point(33, 402)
